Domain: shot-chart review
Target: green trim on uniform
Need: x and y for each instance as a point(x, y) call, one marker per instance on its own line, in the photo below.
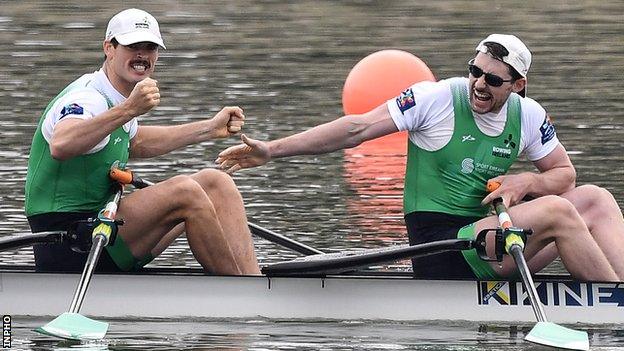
point(123, 258)
point(482, 269)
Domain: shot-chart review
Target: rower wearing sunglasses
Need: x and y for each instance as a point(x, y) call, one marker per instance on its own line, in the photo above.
point(462, 133)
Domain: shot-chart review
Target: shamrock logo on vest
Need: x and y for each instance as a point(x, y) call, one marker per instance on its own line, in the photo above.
point(509, 143)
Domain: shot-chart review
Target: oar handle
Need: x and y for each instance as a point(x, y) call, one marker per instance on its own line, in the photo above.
point(125, 176)
point(512, 236)
point(493, 185)
point(503, 217)
point(107, 226)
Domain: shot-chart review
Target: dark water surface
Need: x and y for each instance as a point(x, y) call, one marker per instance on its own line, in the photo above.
point(263, 335)
point(285, 64)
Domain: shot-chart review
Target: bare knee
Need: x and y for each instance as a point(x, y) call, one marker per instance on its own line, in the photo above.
point(212, 180)
point(556, 205)
point(185, 191)
point(594, 194)
point(588, 198)
point(560, 214)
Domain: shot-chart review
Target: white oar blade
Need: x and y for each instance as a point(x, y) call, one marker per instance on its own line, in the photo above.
point(551, 334)
point(74, 326)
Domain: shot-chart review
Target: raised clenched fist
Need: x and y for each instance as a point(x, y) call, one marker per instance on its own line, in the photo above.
point(144, 97)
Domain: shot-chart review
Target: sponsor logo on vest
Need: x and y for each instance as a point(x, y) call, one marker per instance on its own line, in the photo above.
point(117, 140)
point(489, 169)
point(467, 165)
point(553, 294)
point(509, 142)
point(501, 152)
point(467, 138)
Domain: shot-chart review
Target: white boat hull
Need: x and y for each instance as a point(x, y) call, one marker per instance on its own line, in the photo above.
point(192, 295)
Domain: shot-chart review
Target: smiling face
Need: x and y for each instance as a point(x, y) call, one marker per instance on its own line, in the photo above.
point(486, 98)
point(127, 65)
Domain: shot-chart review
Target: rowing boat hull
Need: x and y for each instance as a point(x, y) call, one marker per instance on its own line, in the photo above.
point(189, 294)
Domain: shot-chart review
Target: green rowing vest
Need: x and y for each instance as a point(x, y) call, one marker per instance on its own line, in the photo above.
point(452, 180)
point(80, 184)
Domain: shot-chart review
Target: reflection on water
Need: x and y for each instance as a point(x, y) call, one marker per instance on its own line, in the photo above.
point(285, 63)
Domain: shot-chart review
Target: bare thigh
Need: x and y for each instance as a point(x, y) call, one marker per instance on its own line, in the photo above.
point(540, 249)
point(150, 213)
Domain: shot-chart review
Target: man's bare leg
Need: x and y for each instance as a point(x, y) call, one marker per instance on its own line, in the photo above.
point(603, 217)
point(554, 219)
point(230, 210)
point(153, 212)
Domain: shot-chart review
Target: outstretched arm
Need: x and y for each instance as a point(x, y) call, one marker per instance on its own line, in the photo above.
point(153, 141)
point(344, 132)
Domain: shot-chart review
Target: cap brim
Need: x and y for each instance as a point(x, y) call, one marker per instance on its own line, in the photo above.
point(137, 37)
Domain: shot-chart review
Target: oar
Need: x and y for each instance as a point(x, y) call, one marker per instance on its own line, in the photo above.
point(544, 332)
point(128, 177)
point(282, 240)
point(72, 325)
point(343, 261)
point(52, 237)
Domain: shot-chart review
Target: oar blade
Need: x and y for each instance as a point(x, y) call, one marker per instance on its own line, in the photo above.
point(74, 326)
point(551, 334)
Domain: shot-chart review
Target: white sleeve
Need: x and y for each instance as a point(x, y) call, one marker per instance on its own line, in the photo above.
point(538, 133)
point(132, 127)
point(415, 106)
point(81, 104)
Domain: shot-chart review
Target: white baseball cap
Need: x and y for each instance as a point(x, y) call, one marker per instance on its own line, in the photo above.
point(519, 55)
point(134, 26)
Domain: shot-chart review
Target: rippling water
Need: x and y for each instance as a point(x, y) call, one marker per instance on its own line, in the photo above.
point(262, 335)
point(285, 64)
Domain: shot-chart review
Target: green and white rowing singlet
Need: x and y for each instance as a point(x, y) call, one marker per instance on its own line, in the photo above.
point(80, 184)
point(450, 158)
point(452, 180)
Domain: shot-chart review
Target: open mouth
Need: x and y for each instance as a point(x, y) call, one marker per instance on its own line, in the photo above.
point(140, 66)
point(481, 101)
point(481, 96)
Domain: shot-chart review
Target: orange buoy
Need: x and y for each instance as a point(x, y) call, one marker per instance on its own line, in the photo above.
point(375, 169)
point(379, 77)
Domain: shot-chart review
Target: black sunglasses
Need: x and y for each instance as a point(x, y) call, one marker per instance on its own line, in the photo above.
point(491, 79)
